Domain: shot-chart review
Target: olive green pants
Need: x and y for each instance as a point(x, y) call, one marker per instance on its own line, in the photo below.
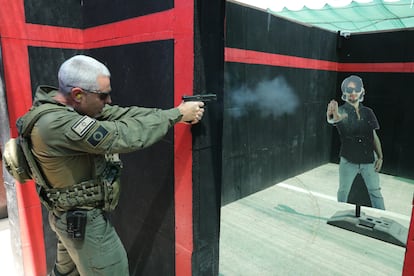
point(100, 253)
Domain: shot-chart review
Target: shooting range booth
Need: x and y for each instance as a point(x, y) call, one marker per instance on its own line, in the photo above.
point(169, 212)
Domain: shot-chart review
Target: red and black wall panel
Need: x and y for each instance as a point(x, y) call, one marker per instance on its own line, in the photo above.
point(314, 62)
point(260, 145)
point(168, 215)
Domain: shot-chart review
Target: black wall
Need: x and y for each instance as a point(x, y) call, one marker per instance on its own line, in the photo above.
point(251, 29)
point(145, 215)
point(144, 218)
point(261, 149)
point(83, 14)
point(207, 136)
point(269, 140)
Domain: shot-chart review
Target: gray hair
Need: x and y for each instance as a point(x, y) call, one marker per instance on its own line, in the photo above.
point(81, 71)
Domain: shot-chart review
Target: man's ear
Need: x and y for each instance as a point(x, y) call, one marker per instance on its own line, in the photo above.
point(76, 94)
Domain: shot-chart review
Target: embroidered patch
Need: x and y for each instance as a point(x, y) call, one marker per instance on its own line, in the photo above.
point(98, 135)
point(83, 125)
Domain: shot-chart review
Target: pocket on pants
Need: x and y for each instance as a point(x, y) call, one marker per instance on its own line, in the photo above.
point(111, 262)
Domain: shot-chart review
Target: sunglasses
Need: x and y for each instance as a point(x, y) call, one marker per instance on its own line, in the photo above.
point(349, 90)
point(102, 95)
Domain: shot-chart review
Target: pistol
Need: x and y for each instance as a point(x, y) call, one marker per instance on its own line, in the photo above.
point(205, 98)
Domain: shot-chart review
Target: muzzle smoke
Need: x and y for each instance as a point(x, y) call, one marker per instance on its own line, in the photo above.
point(269, 98)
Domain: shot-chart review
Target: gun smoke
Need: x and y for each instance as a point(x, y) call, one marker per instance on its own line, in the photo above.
point(269, 98)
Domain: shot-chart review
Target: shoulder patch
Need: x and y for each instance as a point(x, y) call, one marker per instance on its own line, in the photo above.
point(97, 136)
point(83, 125)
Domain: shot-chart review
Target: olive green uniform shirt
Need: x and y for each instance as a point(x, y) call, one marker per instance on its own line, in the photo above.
point(71, 147)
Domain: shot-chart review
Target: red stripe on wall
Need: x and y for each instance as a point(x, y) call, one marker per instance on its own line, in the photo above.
point(408, 267)
point(255, 57)
point(19, 100)
point(158, 26)
point(12, 23)
point(389, 67)
point(183, 84)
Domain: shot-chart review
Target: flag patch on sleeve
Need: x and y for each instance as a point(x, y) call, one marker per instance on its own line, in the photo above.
point(83, 125)
point(97, 136)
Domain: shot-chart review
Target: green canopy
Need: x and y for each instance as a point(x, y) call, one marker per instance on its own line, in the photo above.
point(355, 17)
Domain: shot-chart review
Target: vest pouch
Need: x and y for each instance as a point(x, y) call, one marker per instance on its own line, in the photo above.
point(15, 161)
point(112, 193)
point(111, 186)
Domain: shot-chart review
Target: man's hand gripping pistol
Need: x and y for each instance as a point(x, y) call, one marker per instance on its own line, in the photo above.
point(205, 98)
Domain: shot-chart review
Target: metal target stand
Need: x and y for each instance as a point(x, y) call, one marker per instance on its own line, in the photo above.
point(381, 228)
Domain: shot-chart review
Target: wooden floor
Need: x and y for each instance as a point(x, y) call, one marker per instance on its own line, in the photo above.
point(283, 230)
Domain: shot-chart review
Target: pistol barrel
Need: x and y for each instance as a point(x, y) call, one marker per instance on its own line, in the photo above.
point(201, 98)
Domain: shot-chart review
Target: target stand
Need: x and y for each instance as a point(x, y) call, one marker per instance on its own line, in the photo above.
point(381, 228)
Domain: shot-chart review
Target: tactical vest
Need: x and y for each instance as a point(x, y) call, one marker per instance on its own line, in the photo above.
point(102, 192)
